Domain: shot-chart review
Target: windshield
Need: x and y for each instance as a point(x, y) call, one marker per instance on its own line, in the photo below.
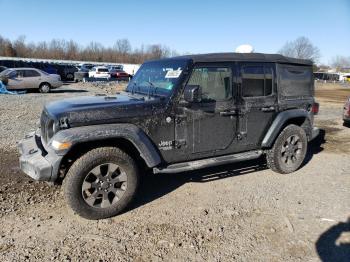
point(157, 78)
point(6, 72)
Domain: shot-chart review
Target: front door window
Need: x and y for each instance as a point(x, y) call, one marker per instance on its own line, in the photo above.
point(216, 83)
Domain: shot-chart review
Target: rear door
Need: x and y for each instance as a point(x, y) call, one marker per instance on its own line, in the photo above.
point(32, 78)
point(257, 102)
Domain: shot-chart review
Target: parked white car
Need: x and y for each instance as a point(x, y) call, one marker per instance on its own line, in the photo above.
point(99, 72)
point(30, 78)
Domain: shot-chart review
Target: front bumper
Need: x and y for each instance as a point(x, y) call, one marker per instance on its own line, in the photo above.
point(35, 161)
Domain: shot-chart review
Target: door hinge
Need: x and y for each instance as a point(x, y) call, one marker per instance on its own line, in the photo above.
point(241, 135)
point(179, 119)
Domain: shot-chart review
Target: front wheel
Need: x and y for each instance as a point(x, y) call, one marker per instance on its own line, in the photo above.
point(288, 151)
point(101, 183)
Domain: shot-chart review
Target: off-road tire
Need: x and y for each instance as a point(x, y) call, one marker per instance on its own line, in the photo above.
point(44, 88)
point(274, 156)
point(70, 77)
point(73, 182)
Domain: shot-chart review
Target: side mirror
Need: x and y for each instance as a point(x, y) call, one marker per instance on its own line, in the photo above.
point(193, 93)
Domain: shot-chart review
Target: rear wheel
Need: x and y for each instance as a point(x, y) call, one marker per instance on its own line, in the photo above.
point(70, 76)
point(44, 88)
point(101, 183)
point(288, 151)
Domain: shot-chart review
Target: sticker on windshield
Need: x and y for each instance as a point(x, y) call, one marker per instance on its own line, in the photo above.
point(173, 73)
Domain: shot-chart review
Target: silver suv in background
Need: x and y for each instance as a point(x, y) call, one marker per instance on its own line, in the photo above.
point(30, 78)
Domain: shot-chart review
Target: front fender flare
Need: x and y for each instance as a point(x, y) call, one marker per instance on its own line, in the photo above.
point(130, 132)
point(279, 122)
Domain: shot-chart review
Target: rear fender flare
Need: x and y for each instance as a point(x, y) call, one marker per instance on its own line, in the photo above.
point(278, 124)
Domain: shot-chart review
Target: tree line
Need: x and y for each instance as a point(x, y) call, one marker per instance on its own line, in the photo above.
point(123, 52)
point(120, 52)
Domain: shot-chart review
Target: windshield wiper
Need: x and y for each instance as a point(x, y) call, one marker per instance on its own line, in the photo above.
point(149, 93)
point(155, 90)
point(149, 88)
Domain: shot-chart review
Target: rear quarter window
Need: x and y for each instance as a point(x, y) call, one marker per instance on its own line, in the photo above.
point(295, 81)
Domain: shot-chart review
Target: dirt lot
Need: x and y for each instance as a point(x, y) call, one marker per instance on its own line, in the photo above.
point(239, 212)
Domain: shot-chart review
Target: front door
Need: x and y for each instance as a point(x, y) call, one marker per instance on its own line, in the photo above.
point(208, 127)
point(257, 102)
point(32, 78)
point(15, 80)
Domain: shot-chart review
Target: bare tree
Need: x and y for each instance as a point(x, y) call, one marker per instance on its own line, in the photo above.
point(301, 48)
point(9, 50)
point(56, 48)
point(72, 50)
point(40, 50)
point(122, 46)
point(121, 52)
point(158, 51)
point(20, 46)
point(341, 62)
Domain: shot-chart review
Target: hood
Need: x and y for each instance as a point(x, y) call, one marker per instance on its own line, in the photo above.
point(89, 110)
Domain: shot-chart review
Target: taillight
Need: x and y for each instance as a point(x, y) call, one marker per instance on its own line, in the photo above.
point(347, 108)
point(315, 108)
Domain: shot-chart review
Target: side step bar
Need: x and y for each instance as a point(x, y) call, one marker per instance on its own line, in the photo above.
point(203, 163)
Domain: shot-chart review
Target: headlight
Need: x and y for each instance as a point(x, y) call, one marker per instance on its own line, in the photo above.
point(60, 145)
point(55, 127)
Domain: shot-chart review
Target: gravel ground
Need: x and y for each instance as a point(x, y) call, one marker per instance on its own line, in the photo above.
point(241, 212)
point(21, 113)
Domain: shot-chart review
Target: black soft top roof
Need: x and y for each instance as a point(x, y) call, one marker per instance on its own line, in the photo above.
point(247, 57)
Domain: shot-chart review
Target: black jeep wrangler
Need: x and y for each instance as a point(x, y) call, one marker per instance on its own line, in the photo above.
point(176, 115)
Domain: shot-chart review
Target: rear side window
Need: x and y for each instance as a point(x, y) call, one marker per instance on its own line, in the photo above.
point(215, 82)
point(31, 73)
point(256, 81)
point(295, 81)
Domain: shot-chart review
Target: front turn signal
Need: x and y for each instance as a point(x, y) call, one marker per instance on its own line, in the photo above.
point(60, 145)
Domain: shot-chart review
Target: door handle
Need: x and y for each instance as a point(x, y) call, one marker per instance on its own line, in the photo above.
point(228, 113)
point(268, 109)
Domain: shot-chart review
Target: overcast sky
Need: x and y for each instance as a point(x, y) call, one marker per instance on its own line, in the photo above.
point(186, 26)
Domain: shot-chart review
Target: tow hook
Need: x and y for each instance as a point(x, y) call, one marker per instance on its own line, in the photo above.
point(32, 151)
